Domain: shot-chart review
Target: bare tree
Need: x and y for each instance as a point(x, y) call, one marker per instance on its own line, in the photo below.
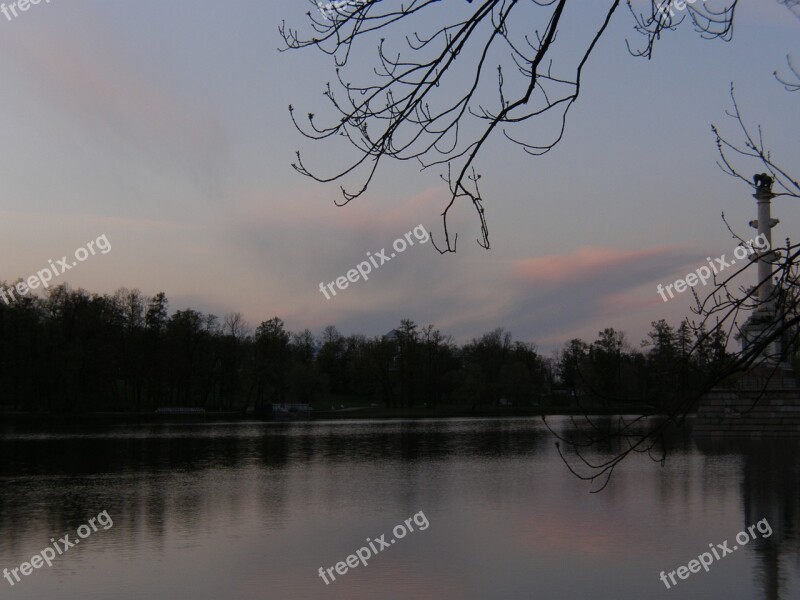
point(724, 310)
point(451, 77)
point(447, 82)
point(752, 146)
point(720, 315)
point(236, 326)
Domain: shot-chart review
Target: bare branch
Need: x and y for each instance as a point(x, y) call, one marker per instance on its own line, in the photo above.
point(441, 94)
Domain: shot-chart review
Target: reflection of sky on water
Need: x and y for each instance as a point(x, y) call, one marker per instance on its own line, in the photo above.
point(250, 511)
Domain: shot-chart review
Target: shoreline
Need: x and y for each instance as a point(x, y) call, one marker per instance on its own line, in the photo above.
point(367, 413)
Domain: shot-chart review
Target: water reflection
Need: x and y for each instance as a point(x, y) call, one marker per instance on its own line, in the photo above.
point(186, 462)
point(770, 489)
point(247, 511)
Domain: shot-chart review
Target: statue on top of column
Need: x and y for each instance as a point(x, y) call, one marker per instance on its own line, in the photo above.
point(763, 182)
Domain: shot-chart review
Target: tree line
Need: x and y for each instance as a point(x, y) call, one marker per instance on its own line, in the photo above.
point(72, 351)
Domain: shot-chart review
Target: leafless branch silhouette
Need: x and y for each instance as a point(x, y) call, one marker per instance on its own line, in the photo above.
point(451, 78)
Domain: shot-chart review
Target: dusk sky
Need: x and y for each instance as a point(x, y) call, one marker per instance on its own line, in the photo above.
point(165, 126)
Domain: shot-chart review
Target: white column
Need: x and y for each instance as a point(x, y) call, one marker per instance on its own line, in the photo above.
point(765, 224)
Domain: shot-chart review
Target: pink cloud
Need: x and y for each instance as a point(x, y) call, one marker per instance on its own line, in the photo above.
point(587, 262)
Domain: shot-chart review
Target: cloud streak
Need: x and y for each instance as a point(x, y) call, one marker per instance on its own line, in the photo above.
point(552, 294)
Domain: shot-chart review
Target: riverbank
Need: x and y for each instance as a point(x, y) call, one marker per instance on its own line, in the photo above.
point(369, 412)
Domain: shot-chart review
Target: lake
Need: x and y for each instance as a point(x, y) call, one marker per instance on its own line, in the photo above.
point(478, 510)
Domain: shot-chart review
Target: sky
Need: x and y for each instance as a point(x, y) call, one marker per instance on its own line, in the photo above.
point(165, 127)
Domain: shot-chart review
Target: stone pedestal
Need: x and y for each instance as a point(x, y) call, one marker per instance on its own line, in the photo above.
point(770, 413)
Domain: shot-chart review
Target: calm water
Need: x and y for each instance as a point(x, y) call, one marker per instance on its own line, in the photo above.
point(246, 511)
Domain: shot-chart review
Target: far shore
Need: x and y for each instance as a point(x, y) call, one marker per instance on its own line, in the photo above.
point(319, 415)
